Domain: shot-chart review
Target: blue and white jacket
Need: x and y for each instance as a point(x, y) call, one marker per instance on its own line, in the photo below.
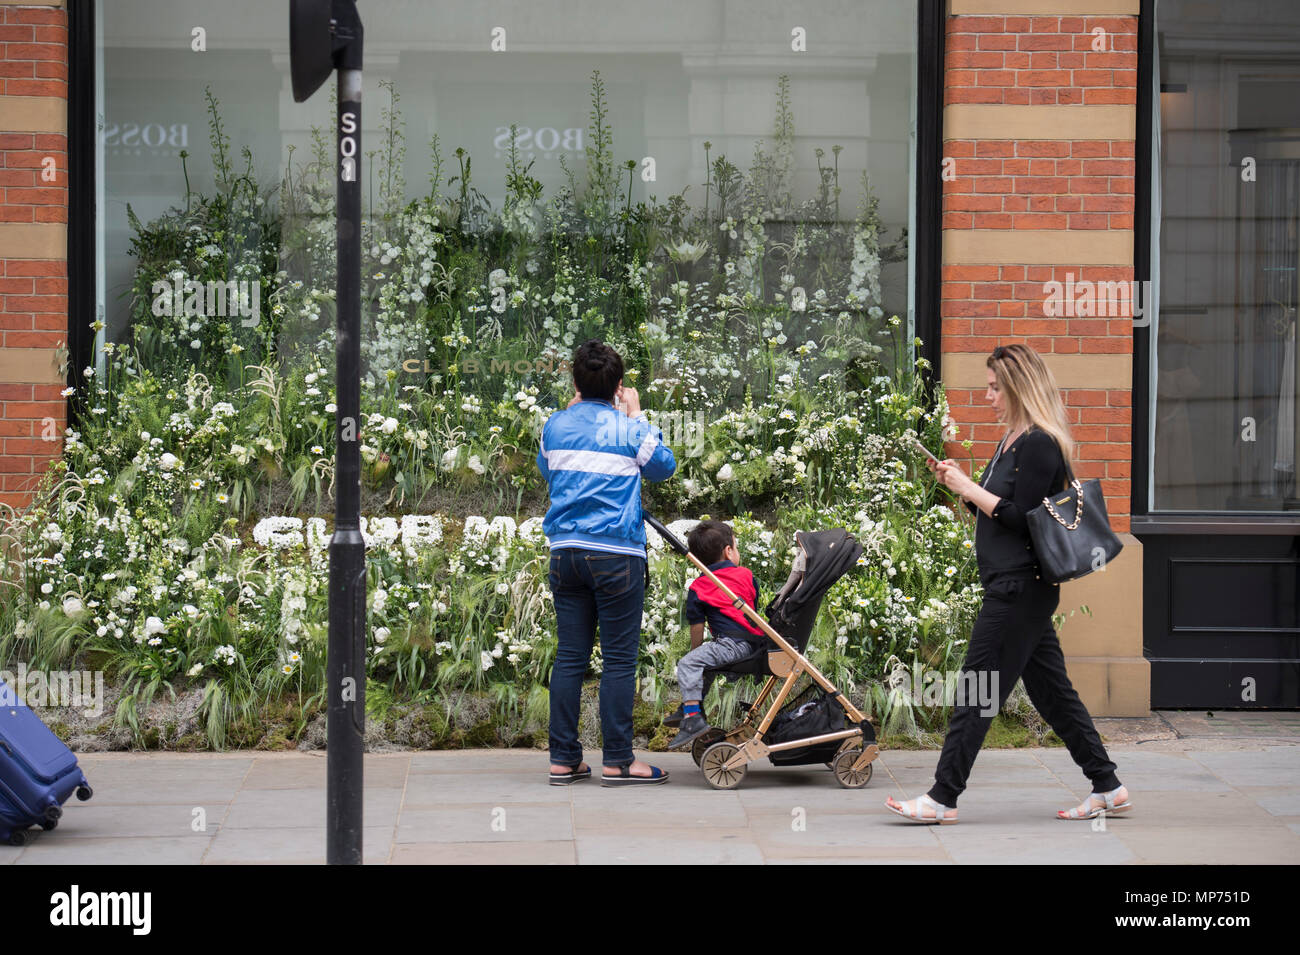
point(593, 458)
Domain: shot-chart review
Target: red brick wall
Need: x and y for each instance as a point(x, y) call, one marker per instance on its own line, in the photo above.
point(33, 292)
point(1034, 61)
point(1057, 184)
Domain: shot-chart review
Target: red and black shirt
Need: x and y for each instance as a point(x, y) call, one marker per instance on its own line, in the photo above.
point(705, 603)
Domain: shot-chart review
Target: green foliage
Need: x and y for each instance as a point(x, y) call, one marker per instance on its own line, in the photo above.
point(754, 327)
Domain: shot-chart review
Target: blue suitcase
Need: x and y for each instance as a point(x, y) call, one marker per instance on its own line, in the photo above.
point(37, 772)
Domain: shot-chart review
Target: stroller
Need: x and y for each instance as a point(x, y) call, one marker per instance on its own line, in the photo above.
point(809, 727)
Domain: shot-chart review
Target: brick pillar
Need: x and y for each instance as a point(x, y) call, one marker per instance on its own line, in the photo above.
point(1039, 130)
point(33, 241)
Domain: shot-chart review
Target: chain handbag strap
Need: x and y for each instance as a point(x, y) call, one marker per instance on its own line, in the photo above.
point(1071, 481)
point(1078, 515)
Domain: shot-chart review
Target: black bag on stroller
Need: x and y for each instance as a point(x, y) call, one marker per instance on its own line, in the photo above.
point(811, 713)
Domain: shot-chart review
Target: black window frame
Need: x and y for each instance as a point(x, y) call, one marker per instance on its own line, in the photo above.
point(1141, 518)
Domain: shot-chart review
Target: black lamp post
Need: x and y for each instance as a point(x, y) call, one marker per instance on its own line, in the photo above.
point(326, 35)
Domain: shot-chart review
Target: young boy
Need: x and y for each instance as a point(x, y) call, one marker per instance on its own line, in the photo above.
point(734, 636)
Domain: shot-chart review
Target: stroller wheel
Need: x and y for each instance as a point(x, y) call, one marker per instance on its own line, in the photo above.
point(713, 764)
point(843, 766)
point(703, 743)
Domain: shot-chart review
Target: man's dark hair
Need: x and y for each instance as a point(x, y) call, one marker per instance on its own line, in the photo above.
point(708, 539)
point(597, 370)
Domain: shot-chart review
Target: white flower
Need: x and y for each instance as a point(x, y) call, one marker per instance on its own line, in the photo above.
point(688, 252)
point(485, 660)
point(381, 634)
point(47, 588)
point(476, 465)
point(72, 606)
point(169, 461)
point(154, 625)
point(194, 670)
point(725, 473)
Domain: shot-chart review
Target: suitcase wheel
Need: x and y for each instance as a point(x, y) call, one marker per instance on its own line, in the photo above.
point(84, 793)
point(52, 815)
point(18, 837)
point(49, 824)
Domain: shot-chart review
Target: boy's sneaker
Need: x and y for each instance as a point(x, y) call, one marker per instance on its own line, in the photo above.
point(693, 727)
point(675, 717)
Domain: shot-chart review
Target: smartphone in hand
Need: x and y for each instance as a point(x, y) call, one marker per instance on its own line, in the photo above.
point(924, 450)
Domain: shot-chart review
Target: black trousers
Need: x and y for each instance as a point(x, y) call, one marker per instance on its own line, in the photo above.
point(1013, 638)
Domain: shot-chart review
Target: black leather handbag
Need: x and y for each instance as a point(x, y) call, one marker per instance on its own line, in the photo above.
point(1071, 532)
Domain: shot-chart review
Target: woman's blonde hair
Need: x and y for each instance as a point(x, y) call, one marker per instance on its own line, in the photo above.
point(1033, 400)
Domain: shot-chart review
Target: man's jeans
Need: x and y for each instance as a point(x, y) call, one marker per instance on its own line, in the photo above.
point(593, 587)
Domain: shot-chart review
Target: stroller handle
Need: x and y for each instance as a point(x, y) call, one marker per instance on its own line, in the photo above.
point(669, 537)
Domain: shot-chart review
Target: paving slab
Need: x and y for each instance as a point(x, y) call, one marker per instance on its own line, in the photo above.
point(296, 771)
point(290, 846)
point(485, 853)
point(668, 847)
point(1202, 794)
point(123, 850)
point(486, 823)
point(1270, 766)
point(1212, 845)
point(296, 808)
point(430, 790)
point(999, 845)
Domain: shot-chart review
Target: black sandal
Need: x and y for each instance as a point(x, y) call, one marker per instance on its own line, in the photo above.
point(625, 777)
point(574, 774)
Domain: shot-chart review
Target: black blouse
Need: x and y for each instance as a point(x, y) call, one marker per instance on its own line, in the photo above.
point(1022, 475)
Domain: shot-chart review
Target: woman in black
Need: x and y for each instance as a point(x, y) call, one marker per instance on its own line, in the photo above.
point(1013, 636)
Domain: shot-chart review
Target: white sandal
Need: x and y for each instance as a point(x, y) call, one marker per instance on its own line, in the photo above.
point(1094, 811)
point(939, 817)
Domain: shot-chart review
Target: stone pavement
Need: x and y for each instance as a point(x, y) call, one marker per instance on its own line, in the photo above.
point(1226, 793)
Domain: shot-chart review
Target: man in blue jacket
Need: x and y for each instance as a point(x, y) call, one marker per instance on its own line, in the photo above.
point(593, 456)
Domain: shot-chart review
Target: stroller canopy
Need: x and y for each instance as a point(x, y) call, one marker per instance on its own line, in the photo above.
point(824, 557)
